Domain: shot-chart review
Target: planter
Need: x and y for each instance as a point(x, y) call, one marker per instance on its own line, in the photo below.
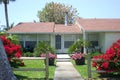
point(80, 61)
point(51, 61)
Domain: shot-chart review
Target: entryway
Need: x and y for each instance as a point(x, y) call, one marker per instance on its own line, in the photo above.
point(59, 43)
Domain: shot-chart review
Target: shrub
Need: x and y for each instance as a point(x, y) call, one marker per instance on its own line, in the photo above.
point(110, 60)
point(78, 46)
point(43, 47)
point(28, 54)
point(95, 54)
point(12, 51)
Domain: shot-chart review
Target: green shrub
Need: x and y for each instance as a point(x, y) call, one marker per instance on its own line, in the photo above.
point(95, 54)
point(78, 46)
point(28, 54)
point(43, 47)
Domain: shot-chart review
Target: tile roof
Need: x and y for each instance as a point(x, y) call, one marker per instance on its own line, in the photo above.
point(44, 27)
point(89, 25)
point(61, 28)
point(100, 24)
point(38, 27)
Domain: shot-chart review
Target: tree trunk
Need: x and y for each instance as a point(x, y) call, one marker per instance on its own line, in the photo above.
point(5, 68)
point(6, 15)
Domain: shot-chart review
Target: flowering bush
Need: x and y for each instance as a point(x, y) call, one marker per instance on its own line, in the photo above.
point(77, 56)
point(13, 51)
point(110, 60)
point(53, 56)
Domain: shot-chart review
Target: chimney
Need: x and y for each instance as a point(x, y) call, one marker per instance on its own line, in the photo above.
point(66, 18)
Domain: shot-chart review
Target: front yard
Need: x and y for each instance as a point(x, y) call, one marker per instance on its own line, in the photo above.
point(82, 69)
point(34, 75)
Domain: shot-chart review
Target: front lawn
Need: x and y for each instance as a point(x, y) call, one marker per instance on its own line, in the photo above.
point(34, 75)
point(82, 69)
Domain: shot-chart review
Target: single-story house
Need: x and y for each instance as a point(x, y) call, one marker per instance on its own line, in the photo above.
point(100, 32)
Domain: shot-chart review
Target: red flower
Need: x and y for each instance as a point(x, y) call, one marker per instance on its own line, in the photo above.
point(94, 64)
point(105, 65)
point(18, 54)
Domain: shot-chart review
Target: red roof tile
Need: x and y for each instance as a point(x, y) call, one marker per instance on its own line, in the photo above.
point(39, 27)
point(100, 24)
point(61, 28)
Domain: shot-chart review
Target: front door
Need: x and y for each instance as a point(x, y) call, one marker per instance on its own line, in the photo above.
point(58, 43)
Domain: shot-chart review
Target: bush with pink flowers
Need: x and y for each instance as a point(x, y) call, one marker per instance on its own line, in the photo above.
point(79, 58)
point(51, 56)
point(110, 61)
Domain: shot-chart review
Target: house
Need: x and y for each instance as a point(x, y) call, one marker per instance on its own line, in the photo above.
point(100, 32)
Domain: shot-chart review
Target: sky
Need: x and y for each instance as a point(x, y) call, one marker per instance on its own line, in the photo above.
point(26, 10)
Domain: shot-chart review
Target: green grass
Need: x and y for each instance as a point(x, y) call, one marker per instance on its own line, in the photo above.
point(82, 69)
point(34, 75)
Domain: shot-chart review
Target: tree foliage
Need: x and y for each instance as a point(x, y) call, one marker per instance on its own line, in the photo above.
point(55, 12)
point(5, 2)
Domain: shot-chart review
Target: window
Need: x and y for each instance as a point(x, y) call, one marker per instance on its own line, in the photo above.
point(94, 43)
point(68, 43)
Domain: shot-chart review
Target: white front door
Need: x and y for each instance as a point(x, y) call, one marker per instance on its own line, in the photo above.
point(59, 43)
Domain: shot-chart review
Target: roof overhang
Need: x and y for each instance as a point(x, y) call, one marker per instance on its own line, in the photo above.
point(102, 31)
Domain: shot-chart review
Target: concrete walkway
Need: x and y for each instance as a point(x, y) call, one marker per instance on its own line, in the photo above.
point(65, 69)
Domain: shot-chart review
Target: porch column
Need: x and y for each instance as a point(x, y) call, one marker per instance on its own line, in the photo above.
point(37, 38)
point(84, 38)
point(52, 40)
point(24, 40)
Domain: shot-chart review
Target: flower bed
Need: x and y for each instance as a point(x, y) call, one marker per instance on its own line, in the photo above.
point(110, 61)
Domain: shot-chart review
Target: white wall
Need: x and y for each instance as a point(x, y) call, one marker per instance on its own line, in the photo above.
point(102, 42)
point(110, 38)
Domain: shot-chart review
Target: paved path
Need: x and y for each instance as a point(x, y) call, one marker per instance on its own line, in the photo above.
point(65, 69)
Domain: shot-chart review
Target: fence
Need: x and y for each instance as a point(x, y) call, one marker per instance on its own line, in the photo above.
point(46, 68)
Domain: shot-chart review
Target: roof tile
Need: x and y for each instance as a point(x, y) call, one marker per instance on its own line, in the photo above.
point(100, 24)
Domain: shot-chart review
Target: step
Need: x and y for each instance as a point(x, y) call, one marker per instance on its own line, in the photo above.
point(63, 60)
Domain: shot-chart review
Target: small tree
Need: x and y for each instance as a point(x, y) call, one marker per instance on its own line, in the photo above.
point(55, 12)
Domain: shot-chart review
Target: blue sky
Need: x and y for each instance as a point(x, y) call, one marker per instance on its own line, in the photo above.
point(26, 10)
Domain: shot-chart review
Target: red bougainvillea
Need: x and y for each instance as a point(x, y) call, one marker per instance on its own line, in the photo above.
point(12, 51)
point(110, 61)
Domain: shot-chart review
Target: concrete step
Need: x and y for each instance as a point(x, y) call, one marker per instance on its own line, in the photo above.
point(63, 60)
